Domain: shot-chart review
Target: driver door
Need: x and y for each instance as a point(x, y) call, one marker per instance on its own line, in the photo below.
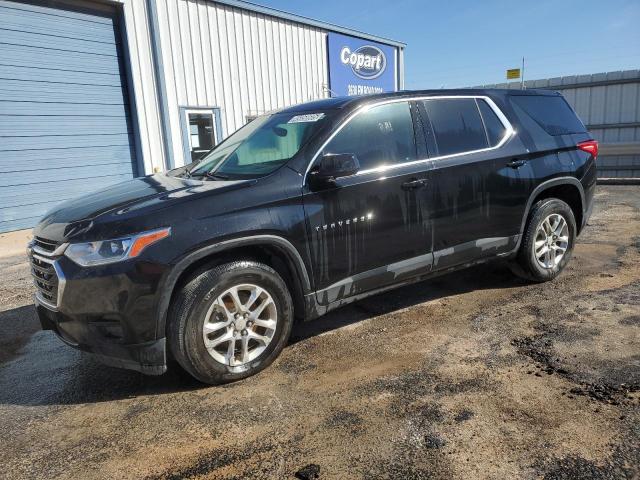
point(373, 228)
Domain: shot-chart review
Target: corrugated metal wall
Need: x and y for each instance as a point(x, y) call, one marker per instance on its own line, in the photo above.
point(244, 62)
point(140, 65)
point(609, 105)
point(65, 124)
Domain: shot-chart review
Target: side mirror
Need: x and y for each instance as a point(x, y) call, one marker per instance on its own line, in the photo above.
point(333, 166)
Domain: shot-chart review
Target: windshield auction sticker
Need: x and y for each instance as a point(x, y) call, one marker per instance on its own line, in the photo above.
point(307, 118)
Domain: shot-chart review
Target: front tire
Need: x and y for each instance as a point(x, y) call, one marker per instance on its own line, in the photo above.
point(230, 322)
point(548, 241)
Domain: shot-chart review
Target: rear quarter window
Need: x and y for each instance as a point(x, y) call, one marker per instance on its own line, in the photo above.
point(495, 129)
point(552, 113)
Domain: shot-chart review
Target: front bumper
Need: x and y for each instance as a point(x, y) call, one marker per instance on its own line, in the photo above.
point(149, 357)
point(108, 311)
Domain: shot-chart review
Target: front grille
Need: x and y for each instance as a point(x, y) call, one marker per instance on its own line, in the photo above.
point(45, 279)
point(45, 246)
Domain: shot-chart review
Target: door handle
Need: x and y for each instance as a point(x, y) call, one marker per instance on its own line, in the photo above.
point(413, 184)
point(516, 163)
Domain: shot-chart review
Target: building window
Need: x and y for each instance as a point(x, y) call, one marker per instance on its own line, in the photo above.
point(201, 135)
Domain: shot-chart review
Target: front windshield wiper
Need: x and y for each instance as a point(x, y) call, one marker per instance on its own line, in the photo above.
point(216, 176)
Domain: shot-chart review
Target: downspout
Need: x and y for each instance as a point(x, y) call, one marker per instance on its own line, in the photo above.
point(158, 67)
point(400, 68)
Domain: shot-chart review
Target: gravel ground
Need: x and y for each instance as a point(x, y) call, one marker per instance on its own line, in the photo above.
point(469, 375)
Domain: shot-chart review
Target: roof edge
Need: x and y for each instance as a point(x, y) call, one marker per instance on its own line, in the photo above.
point(272, 12)
point(614, 77)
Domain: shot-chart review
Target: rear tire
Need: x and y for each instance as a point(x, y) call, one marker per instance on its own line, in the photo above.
point(230, 322)
point(548, 241)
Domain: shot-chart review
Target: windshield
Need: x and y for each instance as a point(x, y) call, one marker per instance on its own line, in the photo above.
point(261, 146)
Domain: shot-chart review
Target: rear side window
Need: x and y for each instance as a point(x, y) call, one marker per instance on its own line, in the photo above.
point(457, 126)
point(493, 125)
point(552, 113)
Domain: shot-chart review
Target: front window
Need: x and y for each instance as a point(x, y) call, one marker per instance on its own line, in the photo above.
point(382, 135)
point(261, 146)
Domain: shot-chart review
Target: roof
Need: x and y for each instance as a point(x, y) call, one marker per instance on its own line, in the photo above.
point(272, 12)
point(336, 103)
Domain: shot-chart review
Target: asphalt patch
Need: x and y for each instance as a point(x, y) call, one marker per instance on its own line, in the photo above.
point(433, 440)
point(633, 320)
point(611, 394)
point(212, 461)
point(310, 472)
point(345, 419)
point(463, 416)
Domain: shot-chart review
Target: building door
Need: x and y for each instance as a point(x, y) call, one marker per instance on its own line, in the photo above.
point(65, 126)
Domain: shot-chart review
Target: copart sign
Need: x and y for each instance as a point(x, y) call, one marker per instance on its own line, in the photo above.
point(360, 67)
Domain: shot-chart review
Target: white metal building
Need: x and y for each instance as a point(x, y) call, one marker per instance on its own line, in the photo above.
point(96, 92)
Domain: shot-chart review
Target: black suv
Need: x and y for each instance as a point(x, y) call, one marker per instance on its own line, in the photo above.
point(307, 209)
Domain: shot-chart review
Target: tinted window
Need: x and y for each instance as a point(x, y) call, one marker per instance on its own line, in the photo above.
point(552, 113)
point(456, 124)
point(493, 125)
point(380, 136)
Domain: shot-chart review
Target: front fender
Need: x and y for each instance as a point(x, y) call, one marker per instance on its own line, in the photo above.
point(169, 284)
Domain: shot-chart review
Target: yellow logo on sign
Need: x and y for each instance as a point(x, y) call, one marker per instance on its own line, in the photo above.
point(513, 73)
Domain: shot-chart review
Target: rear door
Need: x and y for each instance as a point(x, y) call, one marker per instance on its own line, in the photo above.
point(471, 180)
point(373, 228)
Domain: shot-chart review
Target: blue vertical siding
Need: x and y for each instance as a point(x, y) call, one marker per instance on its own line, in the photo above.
point(65, 126)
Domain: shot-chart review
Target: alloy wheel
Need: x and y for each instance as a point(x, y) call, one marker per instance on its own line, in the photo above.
point(240, 324)
point(551, 241)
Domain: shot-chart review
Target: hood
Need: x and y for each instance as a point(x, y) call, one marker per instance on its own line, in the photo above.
point(77, 215)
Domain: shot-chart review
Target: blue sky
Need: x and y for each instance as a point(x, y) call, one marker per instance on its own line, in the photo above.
point(454, 43)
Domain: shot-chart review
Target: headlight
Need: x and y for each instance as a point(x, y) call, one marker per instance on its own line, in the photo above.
point(110, 251)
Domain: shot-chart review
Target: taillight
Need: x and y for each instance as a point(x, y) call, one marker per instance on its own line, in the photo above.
point(590, 146)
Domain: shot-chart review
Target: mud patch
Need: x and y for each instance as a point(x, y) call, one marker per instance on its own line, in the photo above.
point(624, 462)
point(611, 394)
point(538, 349)
point(344, 419)
point(633, 320)
point(310, 472)
point(249, 461)
point(629, 295)
point(427, 414)
point(463, 416)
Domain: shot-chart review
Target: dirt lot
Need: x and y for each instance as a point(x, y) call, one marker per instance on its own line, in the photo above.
point(471, 375)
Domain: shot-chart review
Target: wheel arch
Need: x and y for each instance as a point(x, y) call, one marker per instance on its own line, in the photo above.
point(273, 250)
point(567, 189)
